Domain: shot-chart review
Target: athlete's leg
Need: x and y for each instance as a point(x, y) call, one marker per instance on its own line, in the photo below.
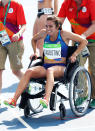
point(52, 72)
point(34, 72)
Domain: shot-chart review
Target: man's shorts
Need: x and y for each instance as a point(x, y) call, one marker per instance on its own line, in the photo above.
point(14, 51)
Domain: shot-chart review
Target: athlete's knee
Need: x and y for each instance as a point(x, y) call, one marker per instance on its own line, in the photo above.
point(49, 71)
point(29, 73)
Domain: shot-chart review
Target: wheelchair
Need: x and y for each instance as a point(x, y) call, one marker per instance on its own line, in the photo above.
point(76, 80)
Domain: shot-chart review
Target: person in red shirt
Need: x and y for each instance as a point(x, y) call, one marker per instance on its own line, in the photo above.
point(12, 26)
point(81, 15)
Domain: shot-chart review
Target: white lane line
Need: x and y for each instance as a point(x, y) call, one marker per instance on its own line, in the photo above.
point(16, 114)
point(21, 120)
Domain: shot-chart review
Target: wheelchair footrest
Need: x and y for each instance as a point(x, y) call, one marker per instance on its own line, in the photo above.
point(33, 96)
point(26, 96)
point(38, 95)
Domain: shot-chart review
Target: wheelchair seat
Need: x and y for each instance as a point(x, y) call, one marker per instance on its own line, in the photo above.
point(69, 67)
point(76, 89)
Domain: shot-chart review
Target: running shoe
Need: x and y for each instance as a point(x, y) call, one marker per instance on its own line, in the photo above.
point(11, 102)
point(44, 103)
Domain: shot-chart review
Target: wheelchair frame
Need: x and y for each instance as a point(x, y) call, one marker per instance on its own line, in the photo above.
point(71, 74)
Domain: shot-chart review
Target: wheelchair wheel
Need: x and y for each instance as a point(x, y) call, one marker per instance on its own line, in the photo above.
point(80, 91)
point(34, 104)
point(62, 111)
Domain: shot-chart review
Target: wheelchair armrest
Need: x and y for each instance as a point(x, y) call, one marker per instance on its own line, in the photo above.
point(70, 68)
point(71, 50)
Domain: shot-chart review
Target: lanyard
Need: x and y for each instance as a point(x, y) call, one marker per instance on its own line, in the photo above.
point(6, 12)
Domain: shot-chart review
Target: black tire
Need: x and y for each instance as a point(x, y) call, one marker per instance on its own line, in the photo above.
point(62, 111)
point(34, 104)
point(80, 89)
point(52, 102)
point(27, 111)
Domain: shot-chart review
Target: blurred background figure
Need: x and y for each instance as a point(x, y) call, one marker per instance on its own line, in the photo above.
point(45, 8)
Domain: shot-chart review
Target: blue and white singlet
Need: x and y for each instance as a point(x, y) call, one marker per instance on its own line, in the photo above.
point(55, 50)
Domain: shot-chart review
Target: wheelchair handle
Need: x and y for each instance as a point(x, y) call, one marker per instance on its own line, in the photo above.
point(33, 58)
point(68, 62)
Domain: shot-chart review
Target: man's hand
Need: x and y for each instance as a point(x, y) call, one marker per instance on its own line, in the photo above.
point(15, 37)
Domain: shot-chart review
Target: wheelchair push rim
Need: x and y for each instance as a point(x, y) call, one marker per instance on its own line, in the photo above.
point(79, 84)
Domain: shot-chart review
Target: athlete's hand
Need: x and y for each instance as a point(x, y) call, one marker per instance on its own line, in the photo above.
point(34, 55)
point(72, 58)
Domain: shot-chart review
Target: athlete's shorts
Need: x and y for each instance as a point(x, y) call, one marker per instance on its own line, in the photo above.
point(45, 11)
point(46, 66)
point(14, 51)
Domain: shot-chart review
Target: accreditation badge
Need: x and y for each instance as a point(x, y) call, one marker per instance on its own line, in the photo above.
point(4, 38)
point(84, 9)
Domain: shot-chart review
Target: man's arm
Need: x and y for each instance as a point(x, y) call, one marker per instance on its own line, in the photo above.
point(62, 12)
point(90, 30)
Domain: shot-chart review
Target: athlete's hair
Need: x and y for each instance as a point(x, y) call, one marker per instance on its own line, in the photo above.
point(56, 21)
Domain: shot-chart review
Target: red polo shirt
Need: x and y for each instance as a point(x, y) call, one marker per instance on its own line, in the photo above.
point(15, 16)
point(82, 18)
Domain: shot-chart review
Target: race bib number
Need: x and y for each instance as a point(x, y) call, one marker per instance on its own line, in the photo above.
point(47, 11)
point(4, 38)
point(52, 51)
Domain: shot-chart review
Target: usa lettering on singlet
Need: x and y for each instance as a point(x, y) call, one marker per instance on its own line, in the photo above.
point(52, 51)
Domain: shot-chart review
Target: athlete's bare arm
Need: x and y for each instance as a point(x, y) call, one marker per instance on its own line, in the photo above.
point(75, 37)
